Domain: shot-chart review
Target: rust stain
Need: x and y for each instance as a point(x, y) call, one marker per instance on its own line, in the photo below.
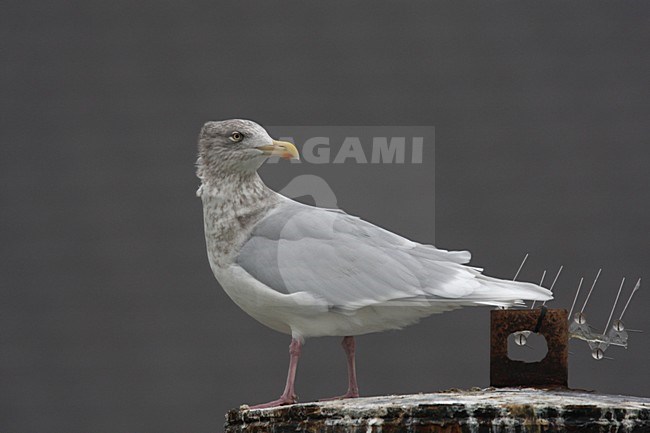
point(521, 410)
point(550, 372)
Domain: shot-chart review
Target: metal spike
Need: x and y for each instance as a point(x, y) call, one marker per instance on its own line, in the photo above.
point(614, 306)
point(636, 287)
point(576, 297)
point(555, 280)
point(540, 283)
point(520, 266)
point(591, 290)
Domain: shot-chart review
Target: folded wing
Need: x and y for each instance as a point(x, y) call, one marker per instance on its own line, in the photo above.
point(350, 264)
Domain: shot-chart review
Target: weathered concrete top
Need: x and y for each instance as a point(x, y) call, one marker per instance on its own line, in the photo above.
point(476, 411)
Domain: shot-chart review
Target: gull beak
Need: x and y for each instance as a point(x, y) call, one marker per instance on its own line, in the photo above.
point(283, 149)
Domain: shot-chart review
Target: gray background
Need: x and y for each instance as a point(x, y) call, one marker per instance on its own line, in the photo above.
point(110, 319)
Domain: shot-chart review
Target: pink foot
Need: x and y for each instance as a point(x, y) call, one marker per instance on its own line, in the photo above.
point(282, 401)
point(348, 394)
point(353, 389)
point(288, 395)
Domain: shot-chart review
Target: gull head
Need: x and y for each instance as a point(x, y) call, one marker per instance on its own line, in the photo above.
point(237, 146)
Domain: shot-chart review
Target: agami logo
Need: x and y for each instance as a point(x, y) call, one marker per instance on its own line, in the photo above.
point(359, 144)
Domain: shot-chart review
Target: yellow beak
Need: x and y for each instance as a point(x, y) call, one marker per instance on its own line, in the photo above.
point(283, 149)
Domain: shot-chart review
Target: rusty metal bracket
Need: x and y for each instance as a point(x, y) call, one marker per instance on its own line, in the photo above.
point(550, 372)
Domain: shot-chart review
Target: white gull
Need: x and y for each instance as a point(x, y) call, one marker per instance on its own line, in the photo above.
point(310, 272)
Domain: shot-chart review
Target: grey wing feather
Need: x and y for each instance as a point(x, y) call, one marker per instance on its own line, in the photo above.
point(350, 263)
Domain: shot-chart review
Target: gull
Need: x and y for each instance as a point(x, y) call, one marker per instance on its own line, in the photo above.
point(309, 272)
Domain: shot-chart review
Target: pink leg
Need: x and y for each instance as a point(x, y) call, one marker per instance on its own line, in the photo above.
point(353, 389)
point(289, 394)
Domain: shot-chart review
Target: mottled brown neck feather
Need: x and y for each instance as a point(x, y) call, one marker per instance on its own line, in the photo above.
point(232, 205)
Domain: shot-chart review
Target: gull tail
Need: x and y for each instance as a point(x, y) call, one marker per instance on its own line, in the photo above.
point(494, 291)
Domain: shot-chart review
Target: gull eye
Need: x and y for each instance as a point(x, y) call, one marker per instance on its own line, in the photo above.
point(236, 136)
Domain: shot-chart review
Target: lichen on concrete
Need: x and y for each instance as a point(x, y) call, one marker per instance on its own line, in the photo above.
point(474, 411)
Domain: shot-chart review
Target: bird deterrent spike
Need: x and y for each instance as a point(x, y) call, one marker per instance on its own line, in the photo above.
point(614, 306)
point(591, 290)
point(636, 287)
point(555, 280)
point(576, 297)
point(556, 277)
point(540, 283)
point(520, 266)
